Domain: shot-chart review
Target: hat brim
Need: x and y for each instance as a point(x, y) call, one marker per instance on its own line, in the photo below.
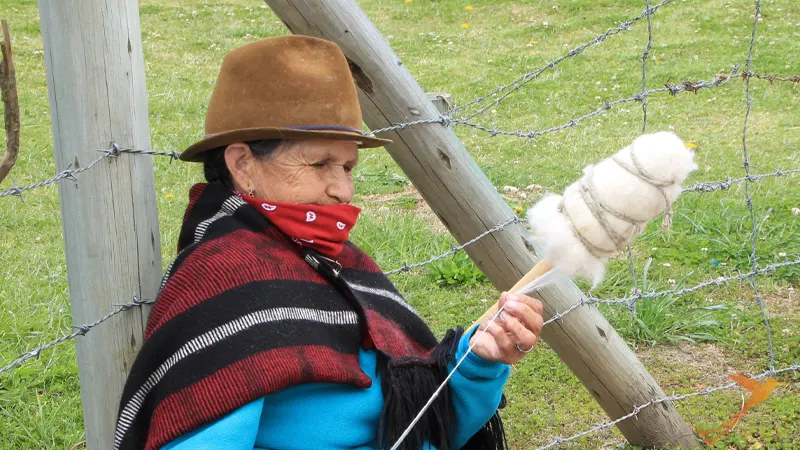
point(194, 152)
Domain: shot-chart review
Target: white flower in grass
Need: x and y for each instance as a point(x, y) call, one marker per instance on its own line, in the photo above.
point(796, 211)
point(666, 264)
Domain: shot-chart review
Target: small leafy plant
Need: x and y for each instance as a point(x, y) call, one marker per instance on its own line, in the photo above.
point(457, 270)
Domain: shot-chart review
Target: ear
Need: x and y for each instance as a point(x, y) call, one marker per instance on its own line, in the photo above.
point(239, 159)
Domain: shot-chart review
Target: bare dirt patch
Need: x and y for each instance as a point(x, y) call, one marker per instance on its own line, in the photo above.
point(697, 366)
point(784, 302)
point(421, 209)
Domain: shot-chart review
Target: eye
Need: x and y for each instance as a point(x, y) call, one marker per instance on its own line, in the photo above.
point(319, 165)
point(349, 168)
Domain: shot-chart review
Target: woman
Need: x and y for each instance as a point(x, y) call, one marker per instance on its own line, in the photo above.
point(271, 329)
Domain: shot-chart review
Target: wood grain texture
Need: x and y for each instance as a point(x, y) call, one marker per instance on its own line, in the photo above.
point(467, 203)
point(95, 78)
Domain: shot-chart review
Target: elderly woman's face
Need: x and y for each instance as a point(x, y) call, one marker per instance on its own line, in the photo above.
point(305, 172)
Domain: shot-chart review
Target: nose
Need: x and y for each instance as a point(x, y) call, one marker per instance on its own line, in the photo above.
point(340, 186)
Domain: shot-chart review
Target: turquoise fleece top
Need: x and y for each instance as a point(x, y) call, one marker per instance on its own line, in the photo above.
point(328, 416)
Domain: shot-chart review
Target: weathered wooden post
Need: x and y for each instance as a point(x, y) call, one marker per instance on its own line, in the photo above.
point(466, 202)
point(95, 78)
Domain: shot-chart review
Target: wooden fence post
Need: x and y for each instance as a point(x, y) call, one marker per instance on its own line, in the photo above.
point(95, 78)
point(467, 203)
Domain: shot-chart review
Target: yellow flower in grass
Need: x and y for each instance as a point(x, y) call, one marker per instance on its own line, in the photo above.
point(691, 145)
point(169, 196)
point(465, 25)
point(518, 209)
point(409, 1)
point(469, 8)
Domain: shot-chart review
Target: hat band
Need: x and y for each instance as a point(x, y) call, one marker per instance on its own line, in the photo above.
point(327, 127)
point(310, 128)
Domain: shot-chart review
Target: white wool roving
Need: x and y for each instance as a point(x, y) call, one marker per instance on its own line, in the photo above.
point(602, 212)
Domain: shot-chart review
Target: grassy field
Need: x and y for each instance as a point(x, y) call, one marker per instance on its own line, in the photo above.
point(688, 342)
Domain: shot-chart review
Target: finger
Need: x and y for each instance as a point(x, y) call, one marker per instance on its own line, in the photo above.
point(500, 337)
point(502, 300)
point(521, 336)
point(530, 318)
point(535, 304)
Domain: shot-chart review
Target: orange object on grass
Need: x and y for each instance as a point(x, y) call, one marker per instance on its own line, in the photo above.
point(758, 393)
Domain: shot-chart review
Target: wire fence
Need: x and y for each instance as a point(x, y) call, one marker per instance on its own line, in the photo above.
point(460, 116)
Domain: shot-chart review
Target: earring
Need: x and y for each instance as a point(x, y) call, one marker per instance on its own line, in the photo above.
point(250, 192)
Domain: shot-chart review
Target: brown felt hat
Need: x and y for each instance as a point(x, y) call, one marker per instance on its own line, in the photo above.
point(288, 87)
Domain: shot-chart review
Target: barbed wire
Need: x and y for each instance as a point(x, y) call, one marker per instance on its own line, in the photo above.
point(672, 398)
point(527, 77)
point(631, 263)
point(713, 282)
point(173, 155)
point(457, 248)
point(710, 186)
point(591, 300)
point(673, 89)
point(68, 174)
point(795, 79)
point(72, 174)
point(748, 198)
point(80, 330)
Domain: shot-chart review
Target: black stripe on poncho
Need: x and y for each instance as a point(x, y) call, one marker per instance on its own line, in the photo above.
point(242, 314)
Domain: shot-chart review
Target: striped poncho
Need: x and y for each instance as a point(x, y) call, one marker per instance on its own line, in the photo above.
point(243, 312)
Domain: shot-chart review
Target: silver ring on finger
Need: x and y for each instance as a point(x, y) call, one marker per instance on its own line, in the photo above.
point(524, 351)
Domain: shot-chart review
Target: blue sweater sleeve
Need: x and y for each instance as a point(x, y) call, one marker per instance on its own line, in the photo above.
point(235, 431)
point(476, 389)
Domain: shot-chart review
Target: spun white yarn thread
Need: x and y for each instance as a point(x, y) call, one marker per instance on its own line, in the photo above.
point(625, 191)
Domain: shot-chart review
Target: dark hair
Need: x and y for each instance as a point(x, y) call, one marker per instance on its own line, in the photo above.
point(215, 169)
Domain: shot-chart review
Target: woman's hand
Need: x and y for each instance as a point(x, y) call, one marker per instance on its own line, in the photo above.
point(515, 331)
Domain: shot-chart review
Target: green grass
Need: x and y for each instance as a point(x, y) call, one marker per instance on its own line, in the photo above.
point(184, 43)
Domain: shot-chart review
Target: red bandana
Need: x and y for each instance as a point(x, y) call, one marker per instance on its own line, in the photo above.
point(323, 228)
